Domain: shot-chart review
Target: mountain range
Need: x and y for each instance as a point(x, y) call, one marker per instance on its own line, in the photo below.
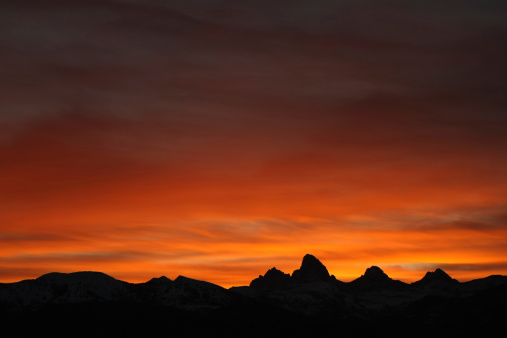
point(308, 301)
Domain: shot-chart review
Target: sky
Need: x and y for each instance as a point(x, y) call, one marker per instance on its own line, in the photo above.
point(217, 139)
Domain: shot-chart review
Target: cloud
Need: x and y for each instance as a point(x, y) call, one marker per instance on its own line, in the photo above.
point(33, 237)
point(482, 267)
point(222, 132)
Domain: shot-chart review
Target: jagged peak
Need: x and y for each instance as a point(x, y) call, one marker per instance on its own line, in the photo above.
point(182, 280)
point(158, 280)
point(311, 270)
point(310, 259)
point(435, 278)
point(375, 278)
point(162, 278)
point(272, 279)
point(440, 272)
point(275, 272)
point(437, 274)
point(375, 272)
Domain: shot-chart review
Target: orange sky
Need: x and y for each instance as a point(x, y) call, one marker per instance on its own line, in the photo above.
point(217, 148)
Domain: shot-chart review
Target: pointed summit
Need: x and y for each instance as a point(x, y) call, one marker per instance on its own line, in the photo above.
point(374, 272)
point(436, 279)
point(374, 278)
point(272, 280)
point(439, 273)
point(311, 270)
point(159, 282)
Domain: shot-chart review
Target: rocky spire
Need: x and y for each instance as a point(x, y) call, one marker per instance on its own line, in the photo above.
point(273, 279)
point(311, 270)
point(436, 279)
point(374, 278)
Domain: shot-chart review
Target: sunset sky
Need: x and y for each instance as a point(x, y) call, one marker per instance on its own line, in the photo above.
point(216, 139)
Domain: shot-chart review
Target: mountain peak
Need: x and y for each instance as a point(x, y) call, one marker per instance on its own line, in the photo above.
point(441, 273)
point(273, 272)
point(272, 279)
point(438, 274)
point(375, 272)
point(437, 278)
point(80, 276)
point(374, 278)
point(163, 280)
point(311, 270)
point(310, 259)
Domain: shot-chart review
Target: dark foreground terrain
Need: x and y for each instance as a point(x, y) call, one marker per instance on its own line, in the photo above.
point(309, 302)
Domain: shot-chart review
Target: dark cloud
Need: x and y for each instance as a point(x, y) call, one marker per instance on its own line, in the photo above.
point(52, 258)
point(98, 257)
point(471, 219)
point(125, 56)
point(290, 117)
point(482, 267)
point(33, 237)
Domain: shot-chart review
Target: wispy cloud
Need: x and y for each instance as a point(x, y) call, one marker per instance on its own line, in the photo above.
point(214, 135)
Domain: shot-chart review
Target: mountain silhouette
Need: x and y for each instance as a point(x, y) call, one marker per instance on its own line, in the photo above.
point(436, 279)
point(162, 281)
point(308, 302)
point(273, 279)
point(375, 278)
point(311, 270)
